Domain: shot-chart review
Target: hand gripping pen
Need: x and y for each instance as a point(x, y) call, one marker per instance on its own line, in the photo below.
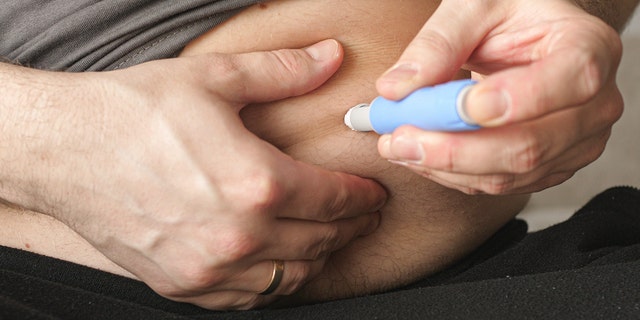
point(437, 108)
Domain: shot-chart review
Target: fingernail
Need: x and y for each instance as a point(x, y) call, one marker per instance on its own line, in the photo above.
point(323, 50)
point(490, 107)
point(401, 72)
point(407, 150)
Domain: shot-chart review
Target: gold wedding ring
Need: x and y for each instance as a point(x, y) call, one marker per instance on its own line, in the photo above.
point(276, 278)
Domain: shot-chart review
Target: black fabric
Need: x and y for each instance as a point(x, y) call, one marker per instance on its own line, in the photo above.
point(587, 267)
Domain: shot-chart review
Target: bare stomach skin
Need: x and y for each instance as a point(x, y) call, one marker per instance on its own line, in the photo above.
point(424, 228)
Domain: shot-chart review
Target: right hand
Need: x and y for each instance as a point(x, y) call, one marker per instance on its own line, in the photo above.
point(547, 96)
point(153, 166)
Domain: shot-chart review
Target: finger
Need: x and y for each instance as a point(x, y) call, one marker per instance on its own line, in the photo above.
point(295, 275)
point(285, 188)
point(549, 174)
point(256, 279)
point(562, 168)
point(546, 182)
point(439, 50)
point(571, 75)
point(229, 300)
point(273, 75)
point(298, 243)
point(503, 150)
point(293, 239)
point(517, 148)
point(314, 193)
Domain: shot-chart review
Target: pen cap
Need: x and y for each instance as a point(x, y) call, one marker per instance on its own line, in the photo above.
point(436, 108)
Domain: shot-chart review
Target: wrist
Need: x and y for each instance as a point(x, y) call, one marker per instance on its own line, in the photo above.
point(33, 106)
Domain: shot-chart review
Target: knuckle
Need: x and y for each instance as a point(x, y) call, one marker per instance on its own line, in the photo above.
point(225, 67)
point(603, 138)
point(264, 191)
point(449, 152)
point(190, 277)
point(289, 64)
point(249, 302)
point(612, 39)
point(614, 108)
point(615, 45)
point(550, 181)
point(499, 184)
point(327, 244)
point(291, 60)
point(228, 301)
point(200, 279)
point(470, 190)
point(559, 178)
point(526, 155)
point(169, 291)
point(596, 149)
point(237, 301)
point(337, 205)
point(202, 272)
point(236, 246)
point(298, 277)
point(542, 98)
point(228, 70)
point(593, 76)
point(447, 148)
point(435, 42)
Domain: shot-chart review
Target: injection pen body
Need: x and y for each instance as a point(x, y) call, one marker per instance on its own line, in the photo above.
point(437, 108)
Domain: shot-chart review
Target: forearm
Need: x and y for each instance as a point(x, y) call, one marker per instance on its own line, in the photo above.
point(31, 115)
point(20, 88)
point(615, 13)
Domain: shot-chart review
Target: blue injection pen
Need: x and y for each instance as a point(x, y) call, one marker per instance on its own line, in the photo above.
point(437, 108)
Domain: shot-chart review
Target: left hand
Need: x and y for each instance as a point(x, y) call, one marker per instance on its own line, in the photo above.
point(547, 97)
point(154, 168)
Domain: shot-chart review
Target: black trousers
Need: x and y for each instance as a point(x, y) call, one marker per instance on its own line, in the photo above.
point(587, 267)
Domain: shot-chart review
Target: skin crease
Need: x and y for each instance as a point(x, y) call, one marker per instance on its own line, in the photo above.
point(424, 226)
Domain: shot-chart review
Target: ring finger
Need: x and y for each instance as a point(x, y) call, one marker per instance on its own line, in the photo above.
point(255, 280)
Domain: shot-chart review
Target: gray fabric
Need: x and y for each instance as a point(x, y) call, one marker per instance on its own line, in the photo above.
point(83, 35)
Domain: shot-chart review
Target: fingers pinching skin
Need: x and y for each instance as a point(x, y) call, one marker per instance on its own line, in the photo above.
point(296, 203)
point(204, 195)
point(273, 75)
point(321, 195)
point(293, 239)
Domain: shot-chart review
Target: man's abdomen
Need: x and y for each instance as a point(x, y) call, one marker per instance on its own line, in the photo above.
point(424, 227)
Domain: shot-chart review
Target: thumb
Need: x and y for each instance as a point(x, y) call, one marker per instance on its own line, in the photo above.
point(274, 75)
point(438, 51)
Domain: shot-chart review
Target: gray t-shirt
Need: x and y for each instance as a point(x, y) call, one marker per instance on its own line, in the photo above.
point(91, 35)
